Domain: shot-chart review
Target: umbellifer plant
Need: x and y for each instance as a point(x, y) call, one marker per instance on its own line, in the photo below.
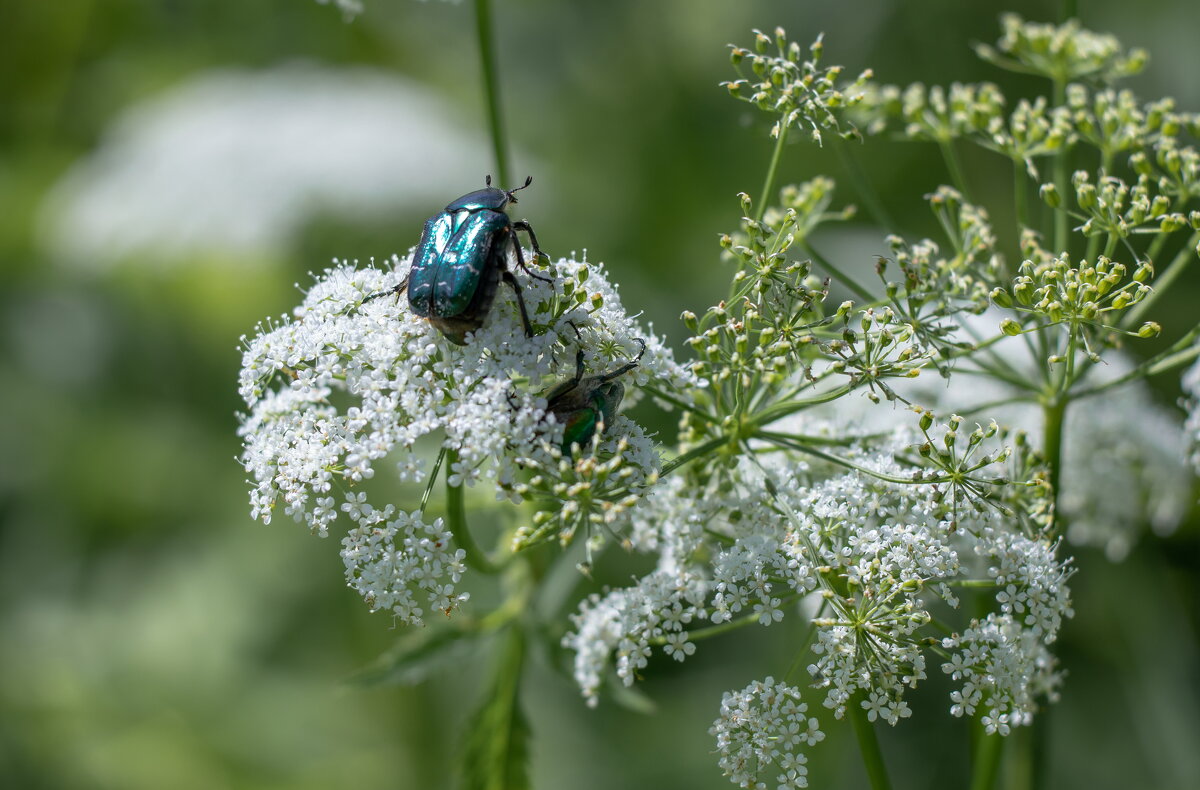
point(889, 467)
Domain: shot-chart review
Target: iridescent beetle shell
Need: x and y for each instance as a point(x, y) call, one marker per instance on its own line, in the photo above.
point(462, 257)
point(587, 404)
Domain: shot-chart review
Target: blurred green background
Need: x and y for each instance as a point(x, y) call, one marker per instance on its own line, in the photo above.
point(168, 170)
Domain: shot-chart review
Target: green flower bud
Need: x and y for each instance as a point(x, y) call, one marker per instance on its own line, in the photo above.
point(1010, 327)
point(1172, 223)
point(1001, 297)
point(1050, 195)
point(1149, 329)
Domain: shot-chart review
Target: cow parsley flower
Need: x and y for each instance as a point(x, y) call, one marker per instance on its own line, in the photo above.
point(391, 558)
point(765, 725)
point(351, 384)
point(877, 549)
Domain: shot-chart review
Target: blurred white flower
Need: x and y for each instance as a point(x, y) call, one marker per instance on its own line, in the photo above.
point(236, 162)
point(350, 8)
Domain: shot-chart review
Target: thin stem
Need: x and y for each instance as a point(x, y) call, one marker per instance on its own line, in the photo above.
point(844, 279)
point(679, 404)
point(986, 761)
point(1061, 177)
point(695, 452)
point(1021, 196)
point(777, 411)
point(456, 520)
point(868, 745)
point(785, 440)
point(725, 627)
point(797, 662)
point(769, 182)
point(955, 168)
point(491, 88)
point(1053, 416)
point(1174, 269)
point(862, 185)
point(1180, 353)
point(437, 465)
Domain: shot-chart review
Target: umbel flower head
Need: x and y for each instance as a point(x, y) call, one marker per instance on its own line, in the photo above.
point(874, 551)
point(349, 384)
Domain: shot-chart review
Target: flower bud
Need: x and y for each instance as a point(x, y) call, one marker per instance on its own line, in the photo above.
point(1050, 195)
point(1001, 297)
point(1010, 327)
point(1149, 329)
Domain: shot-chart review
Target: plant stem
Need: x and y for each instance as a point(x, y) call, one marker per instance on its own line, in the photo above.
point(491, 88)
point(1053, 417)
point(844, 279)
point(1175, 268)
point(1061, 177)
point(1021, 196)
point(955, 168)
point(456, 520)
point(868, 745)
point(695, 452)
point(986, 760)
point(769, 182)
point(862, 185)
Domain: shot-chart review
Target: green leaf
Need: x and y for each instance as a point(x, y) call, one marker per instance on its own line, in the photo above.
point(417, 655)
point(497, 748)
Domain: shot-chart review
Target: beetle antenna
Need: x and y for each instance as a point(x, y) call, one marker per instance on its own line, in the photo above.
point(528, 181)
point(488, 179)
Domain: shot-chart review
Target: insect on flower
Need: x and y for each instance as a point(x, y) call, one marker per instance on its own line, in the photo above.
point(585, 404)
point(462, 257)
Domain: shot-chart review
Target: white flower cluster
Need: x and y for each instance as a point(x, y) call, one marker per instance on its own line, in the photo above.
point(351, 381)
point(1004, 667)
point(765, 724)
point(875, 554)
point(390, 557)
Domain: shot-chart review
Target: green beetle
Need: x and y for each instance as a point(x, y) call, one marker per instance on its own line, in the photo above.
point(584, 405)
point(461, 259)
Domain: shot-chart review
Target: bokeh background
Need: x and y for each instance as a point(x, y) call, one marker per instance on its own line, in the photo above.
point(169, 169)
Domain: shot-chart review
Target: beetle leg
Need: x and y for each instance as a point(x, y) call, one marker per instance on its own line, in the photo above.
point(533, 242)
point(400, 286)
point(627, 366)
point(507, 276)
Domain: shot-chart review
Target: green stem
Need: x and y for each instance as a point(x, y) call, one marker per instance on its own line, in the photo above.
point(725, 627)
point(844, 279)
point(769, 182)
point(986, 760)
point(778, 411)
point(1174, 269)
point(695, 452)
point(491, 88)
point(1180, 353)
point(679, 404)
point(1053, 416)
point(868, 745)
point(1021, 196)
point(955, 168)
point(862, 185)
point(456, 520)
point(1061, 178)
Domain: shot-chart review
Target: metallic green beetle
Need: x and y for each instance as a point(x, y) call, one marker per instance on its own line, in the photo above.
point(461, 258)
point(586, 404)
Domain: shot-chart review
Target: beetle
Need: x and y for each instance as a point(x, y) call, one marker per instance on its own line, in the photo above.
point(461, 259)
point(585, 404)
